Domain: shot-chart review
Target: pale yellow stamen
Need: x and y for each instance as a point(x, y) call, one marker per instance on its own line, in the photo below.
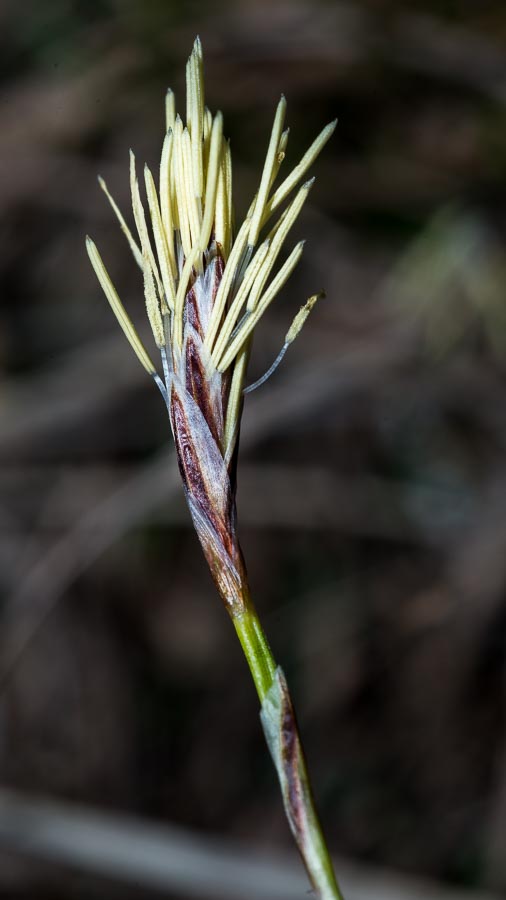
point(290, 336)
point(278, 237)
point(300, 318)
point(194, 215)
point(140, 222)
point(166, 207)
point(123, 225)
point(289, 215)
point(170, 109)
point(153, 306)
point(269, 165)
point(280, 155)
point(191, 261)
point(208, 127)
point(229, 274)
point(160, 236)
point(195, 98)
point(212, 180)
point(118, 308)
point(234, 404)
point(180, 187)
point(228, 185)
point(222, 223)
point(239, 300)
point(252, 319)
point(300, 170)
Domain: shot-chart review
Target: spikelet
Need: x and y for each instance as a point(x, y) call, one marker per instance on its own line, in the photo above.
point(205, 290)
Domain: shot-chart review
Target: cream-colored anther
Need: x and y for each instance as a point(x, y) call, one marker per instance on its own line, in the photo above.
point(252, 319)
point(290, 336)
point(213, 167)
point(199, 55)
point(180, 187)
point(224, 221)
point(230, 203)
point(280, 155)
point(300, 170)
point(270, 162)
point(140, 222)
point(117, 307)
point(239, 300)
point(170, 109)
point(283, 142)
point(166, 201)
point(222, 224)
point(152, 306)
point(137, 253)
point(194, 83)
point(191, 195)
point(195, 118)
point(277, 239)
point(208, 123)
point(289, 215)
point(190, 81)
point(161, 242)
point(231, 269)
point(300, 318)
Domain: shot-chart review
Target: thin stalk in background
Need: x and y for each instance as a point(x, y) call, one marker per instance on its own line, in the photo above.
point(206, 287)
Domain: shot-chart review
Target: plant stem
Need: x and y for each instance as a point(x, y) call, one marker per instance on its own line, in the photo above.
point(256, 650)
point(282, 736)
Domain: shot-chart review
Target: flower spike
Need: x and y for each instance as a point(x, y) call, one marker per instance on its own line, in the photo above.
point(206, 287)
point(205, 279)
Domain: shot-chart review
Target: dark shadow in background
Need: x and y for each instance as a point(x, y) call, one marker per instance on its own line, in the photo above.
point(373, 488)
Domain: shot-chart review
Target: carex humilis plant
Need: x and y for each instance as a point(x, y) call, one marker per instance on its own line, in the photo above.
point(206, 286)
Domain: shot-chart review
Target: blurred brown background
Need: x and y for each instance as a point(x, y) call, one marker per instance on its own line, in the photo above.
point(372, 481)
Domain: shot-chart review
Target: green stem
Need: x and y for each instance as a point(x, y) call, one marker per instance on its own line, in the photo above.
point(256, 650)
point(286, 749)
